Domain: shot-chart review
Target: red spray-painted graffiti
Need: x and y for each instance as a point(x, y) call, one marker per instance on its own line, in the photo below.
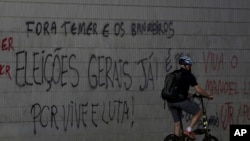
point(6, 45)
point(214, 61)
point(234, 114)
point(220, 87)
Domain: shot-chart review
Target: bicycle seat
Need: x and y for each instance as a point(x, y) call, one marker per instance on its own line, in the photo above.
point(179, 110)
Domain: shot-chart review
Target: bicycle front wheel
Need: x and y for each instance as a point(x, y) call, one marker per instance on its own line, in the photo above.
point(210, 138)
point(171, 137)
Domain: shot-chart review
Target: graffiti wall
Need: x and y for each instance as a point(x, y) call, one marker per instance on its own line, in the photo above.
point(94, 70)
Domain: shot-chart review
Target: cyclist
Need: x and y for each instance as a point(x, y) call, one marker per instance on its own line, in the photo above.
point(189, 106)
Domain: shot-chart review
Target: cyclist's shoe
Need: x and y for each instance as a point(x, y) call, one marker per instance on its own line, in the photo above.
point(190, 135)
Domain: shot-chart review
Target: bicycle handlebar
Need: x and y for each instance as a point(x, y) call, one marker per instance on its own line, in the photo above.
point(195, 95)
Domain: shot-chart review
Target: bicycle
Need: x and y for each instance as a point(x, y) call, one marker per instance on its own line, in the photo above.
point(205, 130)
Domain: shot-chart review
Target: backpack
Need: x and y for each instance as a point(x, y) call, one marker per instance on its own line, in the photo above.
point(170, 92)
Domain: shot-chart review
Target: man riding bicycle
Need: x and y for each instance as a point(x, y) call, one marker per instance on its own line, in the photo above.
point(189, 106)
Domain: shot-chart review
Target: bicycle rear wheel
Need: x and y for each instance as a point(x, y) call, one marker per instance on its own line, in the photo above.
point(210, 138)
point(171, 137)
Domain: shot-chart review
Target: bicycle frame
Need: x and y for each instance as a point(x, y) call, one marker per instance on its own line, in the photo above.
point(205, 130)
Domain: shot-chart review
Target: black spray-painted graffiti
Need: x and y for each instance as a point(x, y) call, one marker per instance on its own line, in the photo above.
point(52, 68)
point(147, 72)
point(86, 114)
point(55, 67)
point(153, 28)
point(212, 121)
point(118, 29)
point(49, 68)
point(104, 71)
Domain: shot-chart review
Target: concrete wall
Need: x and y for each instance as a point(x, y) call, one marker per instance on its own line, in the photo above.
point(93, 70)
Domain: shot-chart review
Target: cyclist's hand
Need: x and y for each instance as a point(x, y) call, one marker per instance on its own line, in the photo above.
point(210, 97)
